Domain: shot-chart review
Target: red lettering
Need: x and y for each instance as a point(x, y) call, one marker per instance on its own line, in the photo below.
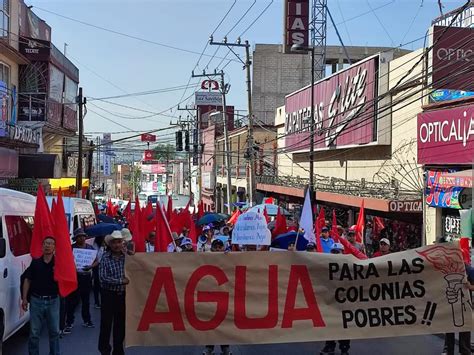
point(220, 298)
point(299, 274)
point(240, 314)
point(163, 280)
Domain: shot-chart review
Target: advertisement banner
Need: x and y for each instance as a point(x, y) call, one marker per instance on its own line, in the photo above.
point(452, 55)
point(268, 297)
point(208, 98)
point(344, 110)
point(107, 161)
point(446, 136)
point(296, 23)
point(439, 196)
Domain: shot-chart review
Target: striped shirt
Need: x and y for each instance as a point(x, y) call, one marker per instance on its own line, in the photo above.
point(112, 272)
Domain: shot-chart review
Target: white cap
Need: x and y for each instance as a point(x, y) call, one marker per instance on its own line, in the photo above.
point(385, 240)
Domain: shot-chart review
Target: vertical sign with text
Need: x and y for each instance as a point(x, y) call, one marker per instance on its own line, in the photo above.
point(108, 153)
point(296, 23)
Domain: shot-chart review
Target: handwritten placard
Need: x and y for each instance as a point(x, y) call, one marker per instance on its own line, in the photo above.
point(251, 229)
point(84, 257)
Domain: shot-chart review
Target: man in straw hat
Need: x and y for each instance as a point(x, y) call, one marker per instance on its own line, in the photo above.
point(113, 281)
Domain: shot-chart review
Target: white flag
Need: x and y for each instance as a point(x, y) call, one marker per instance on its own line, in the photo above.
point(306, 220)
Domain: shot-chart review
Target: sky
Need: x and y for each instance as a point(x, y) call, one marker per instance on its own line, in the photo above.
point(111, 64)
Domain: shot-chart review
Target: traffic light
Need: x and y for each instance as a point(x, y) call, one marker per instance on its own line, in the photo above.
point(179, 141)
point(186, 141)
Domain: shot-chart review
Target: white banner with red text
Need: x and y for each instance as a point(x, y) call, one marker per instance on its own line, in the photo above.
point(265, 297)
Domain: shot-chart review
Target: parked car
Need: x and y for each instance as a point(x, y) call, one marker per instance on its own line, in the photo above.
point(16, 224)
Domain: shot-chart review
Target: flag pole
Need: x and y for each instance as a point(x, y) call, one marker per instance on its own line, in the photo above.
point(296, 239)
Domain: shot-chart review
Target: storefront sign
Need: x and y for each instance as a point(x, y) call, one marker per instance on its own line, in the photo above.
point(35, 49)
point(344, 110)
point(72, 167)
point(26, 134)
point(453, 53)
point(451, 225)
point(446, 136)
point(406, 206)
point(271, 297)
point(463, 19)
point(210, 85)
point(208, 98)
point(147, 137)
point(148, 155)
point(296, 23)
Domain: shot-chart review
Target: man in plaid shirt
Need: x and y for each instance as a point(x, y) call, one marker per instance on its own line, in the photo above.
point(112, 281)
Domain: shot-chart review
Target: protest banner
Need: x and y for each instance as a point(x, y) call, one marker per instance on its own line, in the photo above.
point(267, 297)
point(83, 257)
point(251, 229)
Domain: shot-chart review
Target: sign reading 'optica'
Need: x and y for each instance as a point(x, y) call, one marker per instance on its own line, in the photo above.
point(446, 136)
point(344, 110)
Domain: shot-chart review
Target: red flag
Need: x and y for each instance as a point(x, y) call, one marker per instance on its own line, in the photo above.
point(96, 209)
point(334, 233)
point(181, 220)
point(318, 226)
point(138, 229)
point(265, 213)
point(148, 225)
point(360, 224)
point(115, 209)
point(201, 209)
point(65, 268)
point(193, 234)
point(169, 210)
point(378, 225)
point(465, 249)
point(163, 232)
point(110, 208)
point(43, 224)
point(233, 219)
point(127, 212)
point(350, 249)
point(268, 201)
point(280, 224)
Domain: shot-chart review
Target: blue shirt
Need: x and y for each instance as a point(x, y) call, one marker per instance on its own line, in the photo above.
point(326, 244)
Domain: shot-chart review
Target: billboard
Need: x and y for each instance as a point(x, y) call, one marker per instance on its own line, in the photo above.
point(296, 23)
point(446, 136)
point(208, 98)
point(147, 137)
point(344, 110)
point(453, 49)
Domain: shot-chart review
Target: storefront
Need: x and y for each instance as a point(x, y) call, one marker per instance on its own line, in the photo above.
point(446, 149)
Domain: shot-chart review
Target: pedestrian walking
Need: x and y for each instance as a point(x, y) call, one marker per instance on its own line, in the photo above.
point(217, 245)
point(84, 287)
point(326, 241)
point(384, 248)
point(41, 291)
point(113, 281)
point(330, 345)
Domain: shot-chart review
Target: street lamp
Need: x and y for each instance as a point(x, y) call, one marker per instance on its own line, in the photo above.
point(298, 48)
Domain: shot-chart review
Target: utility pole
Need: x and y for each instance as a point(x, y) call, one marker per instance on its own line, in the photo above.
point(186, 126)
point(89, 167)
point(251, 184)
point(226, 132)
point(81, 101)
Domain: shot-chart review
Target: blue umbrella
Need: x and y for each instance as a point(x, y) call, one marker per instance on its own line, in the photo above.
point(106, 219)
point(271, 209)
point(211, 218)
point(101, 229)
point(283, 240)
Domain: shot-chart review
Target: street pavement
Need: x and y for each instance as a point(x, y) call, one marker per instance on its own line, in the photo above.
point(84, 341)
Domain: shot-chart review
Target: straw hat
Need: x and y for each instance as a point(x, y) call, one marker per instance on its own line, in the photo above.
point(127, 236)
point(113, 236)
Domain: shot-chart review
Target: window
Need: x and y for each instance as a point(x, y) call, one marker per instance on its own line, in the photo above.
point(19, 230)
point(4, 18)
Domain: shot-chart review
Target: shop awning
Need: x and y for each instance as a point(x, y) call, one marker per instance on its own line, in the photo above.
point(457, 179)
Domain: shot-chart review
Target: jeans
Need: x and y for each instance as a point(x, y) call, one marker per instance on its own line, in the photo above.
point(112, 315)
point(464, 343)
point(82, 294)
point(44, 310)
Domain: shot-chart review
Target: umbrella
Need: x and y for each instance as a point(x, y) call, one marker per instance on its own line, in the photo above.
point(283, 240)
point(211, 218)
point(104, 218)
point(271, 209)
point(102, 229)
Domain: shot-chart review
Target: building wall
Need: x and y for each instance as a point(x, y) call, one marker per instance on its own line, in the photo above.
point(375, 163)
point(276, 74)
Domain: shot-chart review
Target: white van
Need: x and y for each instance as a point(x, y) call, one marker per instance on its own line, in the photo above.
point(79, 212)
point(17, 210)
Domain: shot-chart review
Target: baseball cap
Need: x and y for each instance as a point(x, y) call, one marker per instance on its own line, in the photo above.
point(79, 232)
point(325, 229)
point(186, 241)
point(385, 240)
point(206, 228)
point(337, 246)
point(217, 243)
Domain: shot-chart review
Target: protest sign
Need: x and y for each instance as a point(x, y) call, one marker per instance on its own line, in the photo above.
point(265, 297)
point(83, 257)
point(251, 229)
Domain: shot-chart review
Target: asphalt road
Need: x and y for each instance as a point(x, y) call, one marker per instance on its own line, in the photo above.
point(84, 341)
